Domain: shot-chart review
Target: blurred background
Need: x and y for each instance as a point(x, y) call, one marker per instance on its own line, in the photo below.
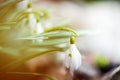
point(100, 21)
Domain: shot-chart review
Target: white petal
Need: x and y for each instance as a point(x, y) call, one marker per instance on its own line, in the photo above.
point(32, 22)
point(39, 28)
point(22, 4)
point(73, 62)
point(67, 61)
point(76, 57)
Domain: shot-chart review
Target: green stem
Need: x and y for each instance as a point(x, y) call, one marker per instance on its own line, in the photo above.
point(7, 23)
point(62, 29)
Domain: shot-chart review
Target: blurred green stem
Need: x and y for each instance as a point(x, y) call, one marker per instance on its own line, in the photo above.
point(22, 60)
point(34, 74)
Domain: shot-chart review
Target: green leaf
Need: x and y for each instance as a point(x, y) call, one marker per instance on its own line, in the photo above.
point(31, 55)
point(52, 42)
point(31, 38)
point(20, 16)
point(34, 74)
point(5, 28)
point(7, 23)
point(8, 2)
point(10, 51)
point(6, 7)
point(48, 34)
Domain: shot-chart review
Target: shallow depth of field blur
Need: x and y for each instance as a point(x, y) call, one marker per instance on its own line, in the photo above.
point(99, 20)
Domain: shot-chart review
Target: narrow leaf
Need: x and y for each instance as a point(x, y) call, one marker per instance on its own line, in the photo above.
point(34, 74)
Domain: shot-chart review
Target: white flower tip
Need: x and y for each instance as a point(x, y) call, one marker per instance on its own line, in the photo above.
point(39, 28)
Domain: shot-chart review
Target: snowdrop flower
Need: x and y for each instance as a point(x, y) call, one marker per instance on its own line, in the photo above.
point(38, 28)
point(73, 57)
point(31, 18)
point(33, 23)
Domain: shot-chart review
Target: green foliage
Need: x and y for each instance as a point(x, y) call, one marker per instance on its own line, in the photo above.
point(34, 74)
point(17, 41)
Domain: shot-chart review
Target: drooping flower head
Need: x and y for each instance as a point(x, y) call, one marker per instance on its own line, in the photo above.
point(73, 57)
point(38, 29)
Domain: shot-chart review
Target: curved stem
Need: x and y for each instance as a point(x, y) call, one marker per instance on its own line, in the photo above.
point(62, 29)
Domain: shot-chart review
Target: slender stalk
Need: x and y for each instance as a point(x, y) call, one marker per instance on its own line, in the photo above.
point(62, 29)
